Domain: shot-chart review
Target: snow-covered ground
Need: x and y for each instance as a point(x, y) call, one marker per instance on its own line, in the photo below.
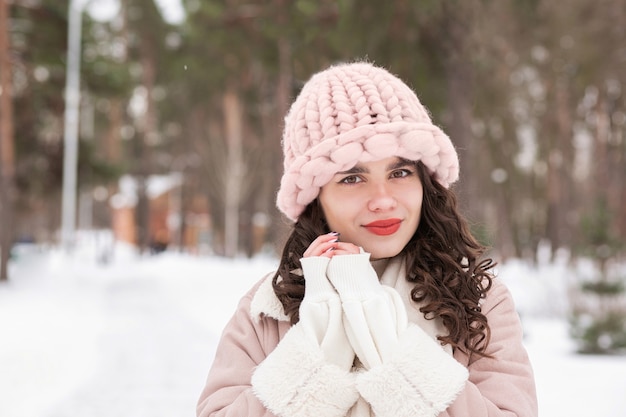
point(135, 337)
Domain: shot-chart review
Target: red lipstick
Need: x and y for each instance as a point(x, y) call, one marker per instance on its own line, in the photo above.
point(383, 227)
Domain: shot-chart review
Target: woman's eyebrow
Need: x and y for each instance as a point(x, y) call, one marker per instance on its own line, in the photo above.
point(358, 169)
point(354, 170)
point(400, 163)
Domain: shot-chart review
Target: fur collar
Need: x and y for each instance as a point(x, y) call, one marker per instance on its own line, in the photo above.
point(265, 303)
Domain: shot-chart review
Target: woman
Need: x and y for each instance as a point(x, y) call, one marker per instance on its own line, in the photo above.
point(381, 305)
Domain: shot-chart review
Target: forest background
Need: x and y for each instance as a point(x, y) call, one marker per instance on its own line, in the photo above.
point(530, 91)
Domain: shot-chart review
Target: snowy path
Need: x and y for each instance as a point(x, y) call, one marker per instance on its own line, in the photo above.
point(152, 358)
point(132, 339)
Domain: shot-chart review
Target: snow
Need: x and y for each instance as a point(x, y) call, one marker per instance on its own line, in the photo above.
point(135, 337)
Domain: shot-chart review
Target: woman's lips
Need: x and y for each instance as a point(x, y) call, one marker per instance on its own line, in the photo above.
point(384, 227)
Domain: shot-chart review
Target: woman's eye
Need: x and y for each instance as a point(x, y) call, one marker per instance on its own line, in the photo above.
point(352, 179)
point(401, 173)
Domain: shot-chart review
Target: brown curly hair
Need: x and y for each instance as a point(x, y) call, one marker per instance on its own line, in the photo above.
point(442, 258)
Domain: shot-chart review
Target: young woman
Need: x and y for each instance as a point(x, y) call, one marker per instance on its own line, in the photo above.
point(381, 304)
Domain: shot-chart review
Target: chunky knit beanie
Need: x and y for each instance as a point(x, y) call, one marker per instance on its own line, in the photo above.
point(350, 113)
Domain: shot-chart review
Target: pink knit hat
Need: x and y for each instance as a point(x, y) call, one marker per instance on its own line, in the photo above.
point(350, 113)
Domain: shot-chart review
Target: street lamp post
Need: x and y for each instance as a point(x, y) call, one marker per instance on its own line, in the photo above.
point(70, 139)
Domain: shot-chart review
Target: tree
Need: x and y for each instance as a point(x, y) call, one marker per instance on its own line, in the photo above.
point(7, 191)
point(143, 20)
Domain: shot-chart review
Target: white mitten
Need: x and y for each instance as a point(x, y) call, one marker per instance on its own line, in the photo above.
point(374, 314)
point(321, 315)
point(419, 378)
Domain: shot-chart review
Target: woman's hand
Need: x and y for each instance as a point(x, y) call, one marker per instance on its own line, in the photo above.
point(328, 245)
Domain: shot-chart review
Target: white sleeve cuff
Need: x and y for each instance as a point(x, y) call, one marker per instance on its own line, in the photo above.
point(420, 379)
point(354, 277)
point(296, 380)
point(317, 287)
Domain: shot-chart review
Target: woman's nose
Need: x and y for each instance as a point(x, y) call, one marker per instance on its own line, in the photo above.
point(381, 198)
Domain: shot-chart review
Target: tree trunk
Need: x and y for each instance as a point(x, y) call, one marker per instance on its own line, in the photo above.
point(559, 159)
point(459, 76)
point(278, 228)
point(7, 171)
point(234, 171)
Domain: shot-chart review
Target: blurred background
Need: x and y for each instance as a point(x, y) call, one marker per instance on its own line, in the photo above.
point(157, 123)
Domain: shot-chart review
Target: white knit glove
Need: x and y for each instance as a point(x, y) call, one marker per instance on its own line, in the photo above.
point(408, 373)
point(321, 315)
point(374, 314)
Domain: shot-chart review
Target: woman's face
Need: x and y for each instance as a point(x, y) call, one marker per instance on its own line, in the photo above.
point(375, 205)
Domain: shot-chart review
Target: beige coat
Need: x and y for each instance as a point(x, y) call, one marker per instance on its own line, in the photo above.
point(303, 384)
